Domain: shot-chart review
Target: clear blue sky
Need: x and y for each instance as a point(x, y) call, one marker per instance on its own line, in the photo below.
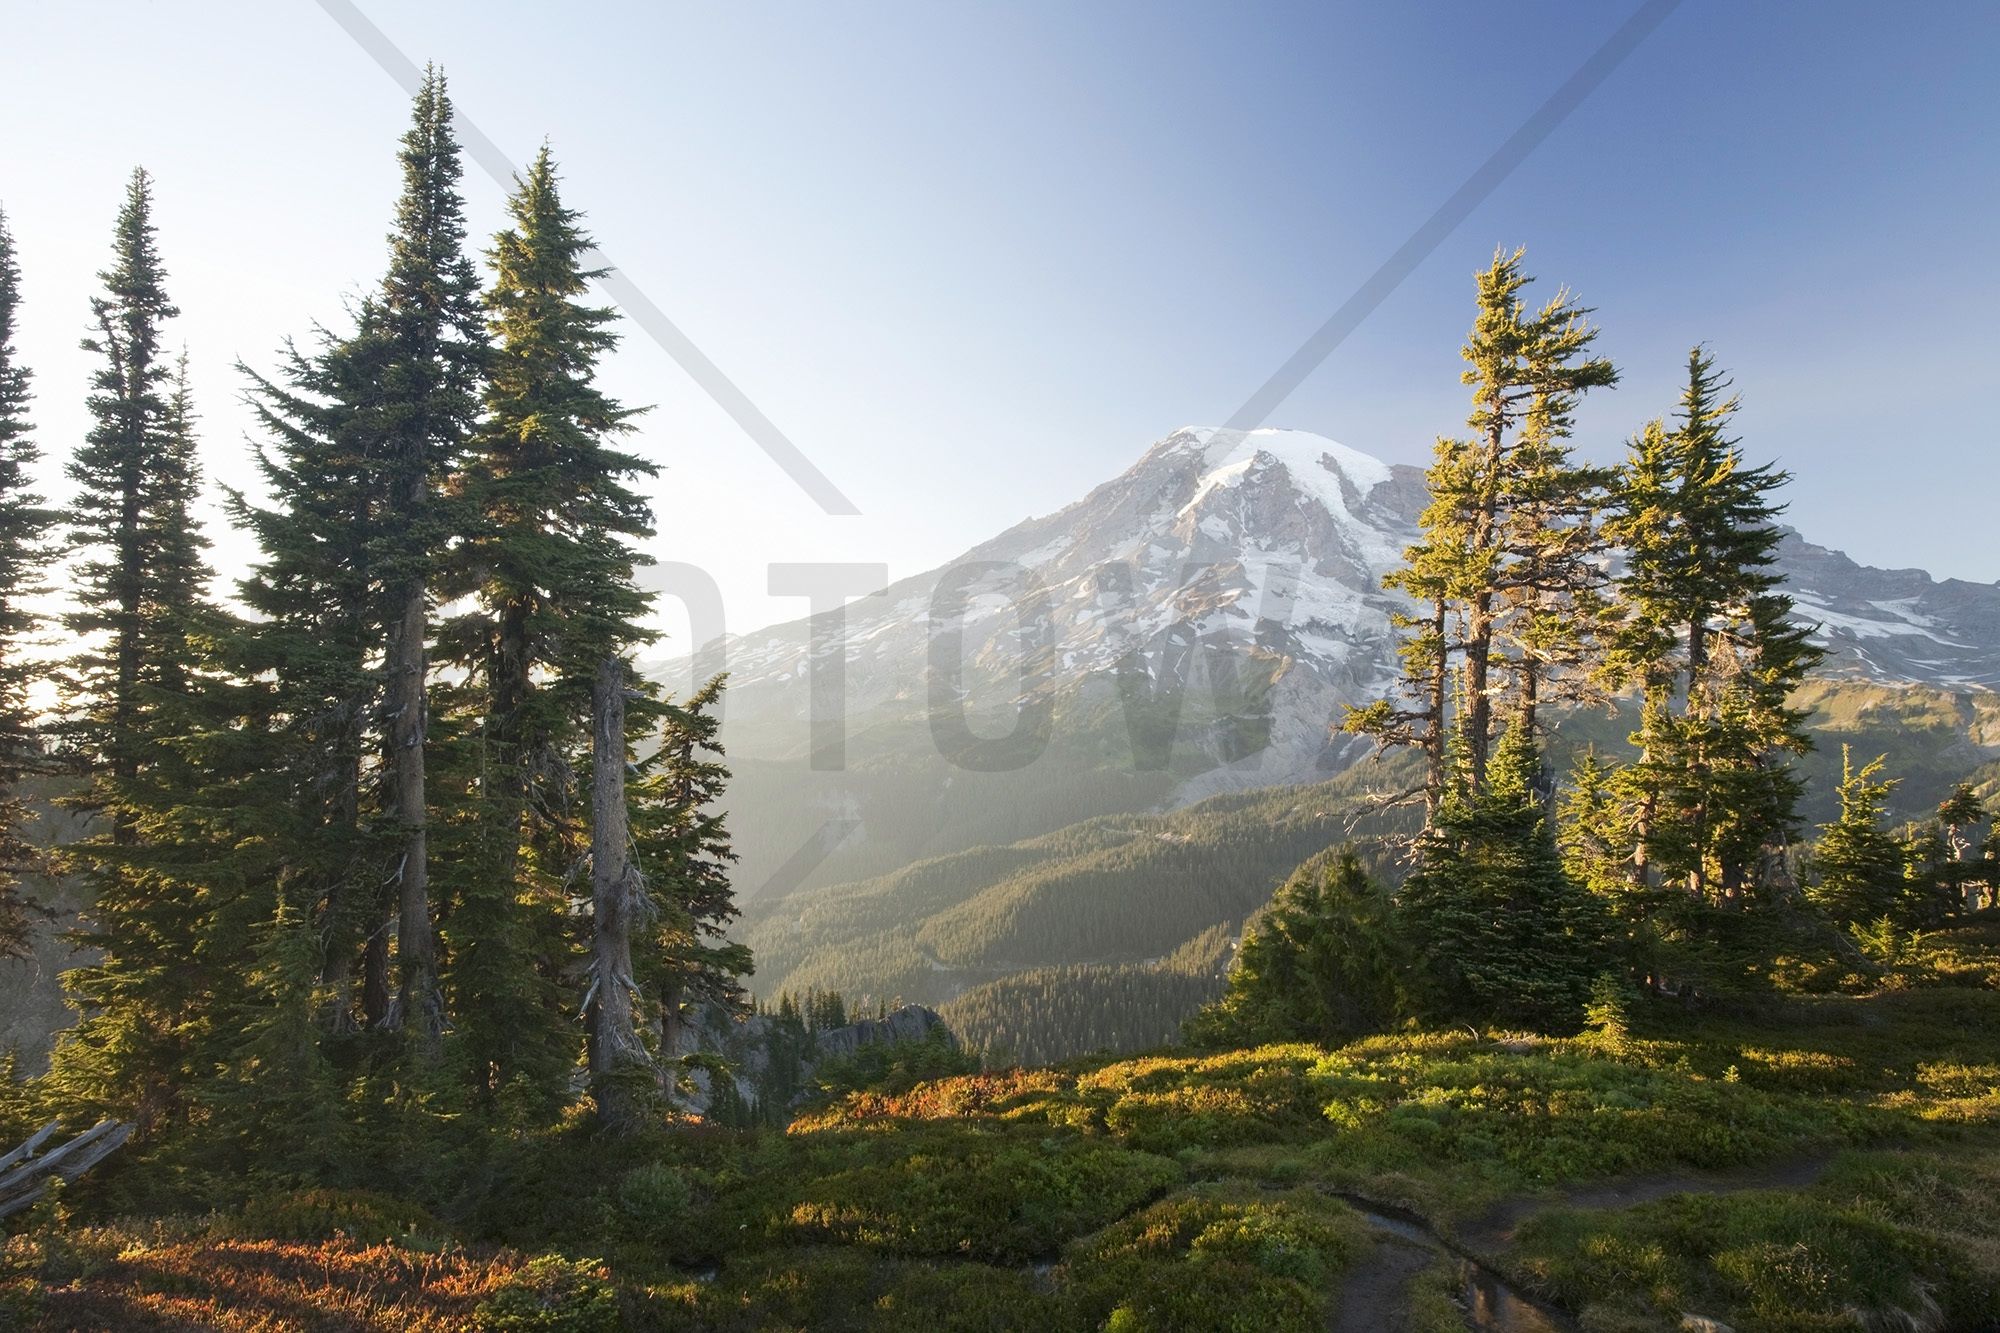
point(973, 259)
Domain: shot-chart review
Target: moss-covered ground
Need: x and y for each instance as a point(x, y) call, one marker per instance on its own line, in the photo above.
point(1810, 1163)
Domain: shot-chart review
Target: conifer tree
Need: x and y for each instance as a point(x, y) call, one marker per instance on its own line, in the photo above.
point(1857, 865)
point(141, 685)
point(1526, 372)
point(682, 840)
point(312, 633)
point(24, 527)
point(1320, 964)
point(1960, 879)
point(1705, 631)
point(424, 342)
point(128, 522)
point(1500, 931)
point(550, 554)
point(1504, 567)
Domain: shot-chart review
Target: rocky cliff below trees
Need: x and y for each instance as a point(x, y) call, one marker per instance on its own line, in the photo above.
point(747, 1069)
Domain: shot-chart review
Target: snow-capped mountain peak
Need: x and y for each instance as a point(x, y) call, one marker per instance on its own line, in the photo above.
point(1244, 570)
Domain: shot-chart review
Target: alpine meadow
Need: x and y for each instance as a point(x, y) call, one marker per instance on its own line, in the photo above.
point(1535, 880)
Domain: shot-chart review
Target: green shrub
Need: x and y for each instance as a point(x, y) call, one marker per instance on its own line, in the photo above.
point(553, 1295)
point(998, 1198)
point(655, 1202)
point(1871, 1246)
point(20, 1301)
point(815, 1287)
point(317, 1215)
point(1215, 1259)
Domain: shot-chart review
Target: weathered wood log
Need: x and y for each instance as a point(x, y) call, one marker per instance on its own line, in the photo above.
point(35, 1140)
point(24, 1177)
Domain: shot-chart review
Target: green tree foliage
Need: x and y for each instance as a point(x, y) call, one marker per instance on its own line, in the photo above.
point(1321, 963)
point(682, 839)
point(552, 526)
point(24, 529)
point(425, 343)
point(1857, 865)
point(1500, 931)
point(139, 685)
point(136, 587)
point(1705, 631)
point(313, 635)
point(1946, 877)
point(1505, 567)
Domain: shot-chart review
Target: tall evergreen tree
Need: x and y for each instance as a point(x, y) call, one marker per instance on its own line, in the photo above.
point(424, 340)
point(313, 634)
point(128, 522)
point(142, 684)
point(1526, 372)
point(1504, 569)
point(1705, 631)
point(24, 528)
point(553, 523)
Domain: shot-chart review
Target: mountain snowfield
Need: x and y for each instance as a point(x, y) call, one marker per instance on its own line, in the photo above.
point(1270, 544)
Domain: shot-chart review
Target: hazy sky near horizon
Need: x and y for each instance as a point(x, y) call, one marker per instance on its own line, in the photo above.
point(973, 259)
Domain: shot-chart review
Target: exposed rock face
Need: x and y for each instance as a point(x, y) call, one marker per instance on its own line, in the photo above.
point(913, 1022)
point(766, 1060)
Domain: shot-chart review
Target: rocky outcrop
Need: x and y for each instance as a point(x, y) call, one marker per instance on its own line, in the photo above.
point(769, 1062)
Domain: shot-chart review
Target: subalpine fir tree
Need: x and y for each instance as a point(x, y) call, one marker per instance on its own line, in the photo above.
point(312, 633)
point(424, 341)
point(687, 962)
point(1516, 563)
point(24, 528)
point(553, 522)
point(1857, 864)
point(1501, 932)
point(140, 687)
point(1320, 964)
point(1552, 581)
point(1705, 631)
point(1961, 882)
point(132, 585)
point(1504, 565)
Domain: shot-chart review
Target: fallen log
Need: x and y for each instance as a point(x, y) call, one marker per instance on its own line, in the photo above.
point(24, 1177)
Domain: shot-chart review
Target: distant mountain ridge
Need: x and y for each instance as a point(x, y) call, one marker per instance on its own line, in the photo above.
point(1201, 622)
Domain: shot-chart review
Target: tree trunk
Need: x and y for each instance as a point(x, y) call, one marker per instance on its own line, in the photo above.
point(123, 747)
point(375, 972)
point(619, 1066)
point(422, 1008)
point(1478, 703)
point(342, 913)
point(1434, 739)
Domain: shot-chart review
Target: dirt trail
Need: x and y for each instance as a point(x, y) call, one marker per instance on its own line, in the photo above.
point(1376, 1294)
point(1494, 1230)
